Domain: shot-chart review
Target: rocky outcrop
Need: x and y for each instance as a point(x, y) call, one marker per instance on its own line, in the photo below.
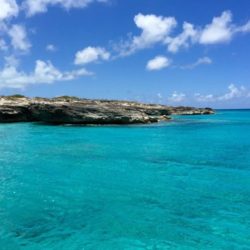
point(15, 110)
point(98, 112)
point(72, 110)
point(15, 114)
point(190, 111)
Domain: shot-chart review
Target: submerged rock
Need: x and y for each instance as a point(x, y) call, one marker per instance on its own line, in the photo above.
point(71, 110)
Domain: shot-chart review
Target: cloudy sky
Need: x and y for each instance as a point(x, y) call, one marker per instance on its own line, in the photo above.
point(163, 51)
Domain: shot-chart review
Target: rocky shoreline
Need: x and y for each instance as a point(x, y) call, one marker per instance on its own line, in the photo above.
point(72, 110)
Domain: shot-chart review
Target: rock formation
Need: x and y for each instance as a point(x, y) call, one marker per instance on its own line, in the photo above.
point(72, 110)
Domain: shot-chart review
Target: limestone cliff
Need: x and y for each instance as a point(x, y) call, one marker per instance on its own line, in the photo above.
point(72, 110)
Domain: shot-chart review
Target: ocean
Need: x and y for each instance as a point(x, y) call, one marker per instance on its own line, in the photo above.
point(183, 184)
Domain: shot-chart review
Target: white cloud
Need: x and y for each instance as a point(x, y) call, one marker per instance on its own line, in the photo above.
point(19, 38)
point(189, 34)
point(8, 9)
point(204, 98)
point(177, 97)
point(44, 72)
point(91, 54)
point(157, 30)
point(33, 7)
point(51, 47)
point(11, 61)
point(222, 29)
point(158, 63)
point(243, 28)
point(233, 92)
point(154, 28)
point(200, 61)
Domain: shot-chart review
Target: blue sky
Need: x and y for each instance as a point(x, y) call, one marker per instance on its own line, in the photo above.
point(166, 51)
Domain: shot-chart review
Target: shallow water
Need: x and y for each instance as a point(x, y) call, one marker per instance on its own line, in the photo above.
point(178, 185)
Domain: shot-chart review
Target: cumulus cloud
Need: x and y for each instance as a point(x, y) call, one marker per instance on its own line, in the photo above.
point(19, 38)
point(177, 97)
point(157, 63)
point(8, 9)
point(154, 29)
point(243, 28)
point(158, 30)
point(33, 7)
point(200, 61)
point(233, 92)
point(91, 54)
point(222, 29)
point(44, 72)
point(189, 34)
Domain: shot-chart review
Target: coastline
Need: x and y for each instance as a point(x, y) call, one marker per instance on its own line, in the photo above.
point(73, 110)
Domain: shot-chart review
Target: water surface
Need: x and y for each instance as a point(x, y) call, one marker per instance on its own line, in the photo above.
point(178, 185)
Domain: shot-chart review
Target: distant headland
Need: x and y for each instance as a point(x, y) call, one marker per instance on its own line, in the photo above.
point(73, 110)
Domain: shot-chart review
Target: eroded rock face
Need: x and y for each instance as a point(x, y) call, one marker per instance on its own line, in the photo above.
point(14, 114)
point(191, 111)
point(13, 110)
point(63, 110)
point(98, 112)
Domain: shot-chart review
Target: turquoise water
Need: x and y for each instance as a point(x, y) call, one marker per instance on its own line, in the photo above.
point(178, 185)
